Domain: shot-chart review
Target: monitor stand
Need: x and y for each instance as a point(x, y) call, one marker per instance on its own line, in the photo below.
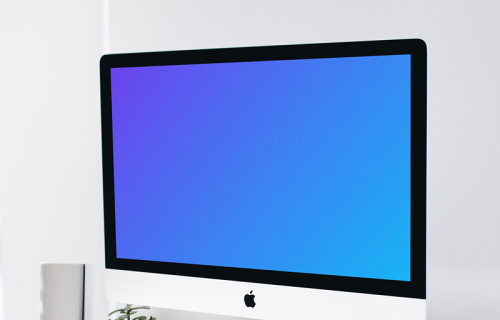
point(172, 314)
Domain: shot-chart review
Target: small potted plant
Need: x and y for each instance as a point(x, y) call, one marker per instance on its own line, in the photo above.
point(128, 312)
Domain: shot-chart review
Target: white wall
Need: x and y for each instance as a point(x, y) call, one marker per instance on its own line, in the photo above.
point(463, 110)
point(50, 166)
point(50, 174)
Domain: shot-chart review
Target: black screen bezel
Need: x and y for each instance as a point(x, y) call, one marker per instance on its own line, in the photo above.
point(416, 288)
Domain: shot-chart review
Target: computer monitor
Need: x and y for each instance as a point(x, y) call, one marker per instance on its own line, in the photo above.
point(277, 182)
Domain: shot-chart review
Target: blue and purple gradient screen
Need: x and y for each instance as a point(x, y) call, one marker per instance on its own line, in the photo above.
point(295, 165)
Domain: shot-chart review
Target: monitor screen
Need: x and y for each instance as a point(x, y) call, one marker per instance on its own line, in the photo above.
point(290, 165)
point(296, 165)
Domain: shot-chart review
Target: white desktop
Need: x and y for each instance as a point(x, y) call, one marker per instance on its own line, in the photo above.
point(280, 182)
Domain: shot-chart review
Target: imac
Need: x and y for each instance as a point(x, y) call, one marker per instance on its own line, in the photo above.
point(276, 182)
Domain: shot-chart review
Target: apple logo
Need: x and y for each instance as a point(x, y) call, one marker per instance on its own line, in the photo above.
point(249, 300)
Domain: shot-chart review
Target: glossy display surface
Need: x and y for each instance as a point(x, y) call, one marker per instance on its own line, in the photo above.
point(297, 165)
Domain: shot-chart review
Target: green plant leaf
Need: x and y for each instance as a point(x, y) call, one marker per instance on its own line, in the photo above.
point(122, 317)
point(117, 310)
point(141, 318)
point(141, 307)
